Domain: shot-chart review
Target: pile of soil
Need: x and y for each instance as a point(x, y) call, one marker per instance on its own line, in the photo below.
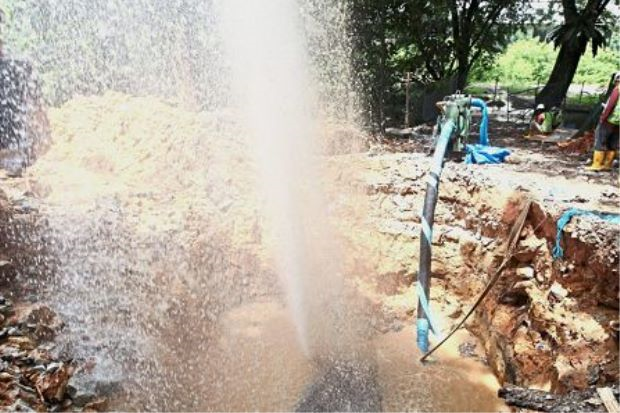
point(582, 145)
point(153, 204)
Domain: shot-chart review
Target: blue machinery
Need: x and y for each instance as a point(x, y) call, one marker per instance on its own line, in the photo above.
point(453, 127)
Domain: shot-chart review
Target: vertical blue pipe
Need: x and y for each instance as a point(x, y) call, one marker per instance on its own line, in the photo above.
point(484, 125)
point(428, 217)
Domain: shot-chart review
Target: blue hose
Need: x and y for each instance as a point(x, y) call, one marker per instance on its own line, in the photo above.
point(422, 327)
point(484, 126)
point(558, 251)
point(426, 238)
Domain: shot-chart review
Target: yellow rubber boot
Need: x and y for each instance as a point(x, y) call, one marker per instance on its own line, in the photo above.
point(598, 161)
point(609, 160)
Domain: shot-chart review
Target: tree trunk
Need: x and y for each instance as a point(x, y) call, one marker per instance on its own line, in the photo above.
point(461, 77)
point(563, 72)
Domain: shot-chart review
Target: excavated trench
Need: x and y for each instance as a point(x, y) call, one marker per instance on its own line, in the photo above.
point(548, 323)
point(170, 301)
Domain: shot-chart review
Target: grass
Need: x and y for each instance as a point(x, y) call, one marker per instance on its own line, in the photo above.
point(586, 100)
point(487, 88)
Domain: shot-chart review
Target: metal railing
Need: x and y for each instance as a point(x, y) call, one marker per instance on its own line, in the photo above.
point(512, 95)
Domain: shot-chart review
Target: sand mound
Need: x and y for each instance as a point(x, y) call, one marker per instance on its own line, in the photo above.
point(120, 143)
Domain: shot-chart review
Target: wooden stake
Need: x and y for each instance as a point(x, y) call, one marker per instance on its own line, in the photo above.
point(407, 81)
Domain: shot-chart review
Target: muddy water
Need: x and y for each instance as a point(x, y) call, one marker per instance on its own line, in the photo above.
point(261, 367)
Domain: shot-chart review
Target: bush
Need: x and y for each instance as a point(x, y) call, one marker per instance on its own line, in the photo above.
point(529, 61)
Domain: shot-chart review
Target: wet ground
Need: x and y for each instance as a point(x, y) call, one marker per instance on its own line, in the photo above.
point(155, 259)
point(262, 367)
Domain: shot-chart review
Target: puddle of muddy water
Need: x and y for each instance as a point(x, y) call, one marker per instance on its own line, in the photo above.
point(259, 366)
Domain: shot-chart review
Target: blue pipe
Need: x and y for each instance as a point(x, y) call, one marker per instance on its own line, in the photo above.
point(484, 126)
point(426, 238)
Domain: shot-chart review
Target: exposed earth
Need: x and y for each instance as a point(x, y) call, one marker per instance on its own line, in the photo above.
point(151, 210)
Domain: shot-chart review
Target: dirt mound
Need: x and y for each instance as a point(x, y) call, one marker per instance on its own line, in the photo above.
point(156, 206)
point(138, 143)
point(580, 145)
point(165, 166)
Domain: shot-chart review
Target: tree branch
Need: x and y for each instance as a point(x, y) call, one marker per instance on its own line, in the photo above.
point(602, 6)
point(473, 9)
point(492, 17)
point(454, 12)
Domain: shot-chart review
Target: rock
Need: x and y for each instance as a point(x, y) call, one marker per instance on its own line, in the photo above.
point(526, 273)
point(539, 400)
point(6, 309)
point(14, 331)
point(41, 321)
point(40, 315)
point(523, 285)
point(53, 383)
point(9, 353)
point(80, 394)
point(84, 388)
point(4, 377)
point(558, 291)
point(467, 349)
point(23, 343)
point(19, 406)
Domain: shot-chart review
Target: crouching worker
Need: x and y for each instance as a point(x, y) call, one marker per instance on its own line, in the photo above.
point(545, 122)
point(606, 134)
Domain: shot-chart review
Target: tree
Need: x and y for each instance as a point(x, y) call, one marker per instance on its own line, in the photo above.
point(450, 36)
point(589, 25)
point(435, 40)
point(481, 27)
point(372, 26)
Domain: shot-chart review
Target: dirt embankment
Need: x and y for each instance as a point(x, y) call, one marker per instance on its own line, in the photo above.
point(548, 323)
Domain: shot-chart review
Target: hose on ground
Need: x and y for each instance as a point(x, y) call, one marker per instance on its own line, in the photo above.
point(513, 240)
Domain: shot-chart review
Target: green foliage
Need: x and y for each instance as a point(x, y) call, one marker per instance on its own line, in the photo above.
point(434, 40)
point(582, 26)
point(530, 61)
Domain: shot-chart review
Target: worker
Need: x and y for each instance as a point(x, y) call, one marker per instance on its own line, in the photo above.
point(544, 122)
point(606, 133)
point(538, 120)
